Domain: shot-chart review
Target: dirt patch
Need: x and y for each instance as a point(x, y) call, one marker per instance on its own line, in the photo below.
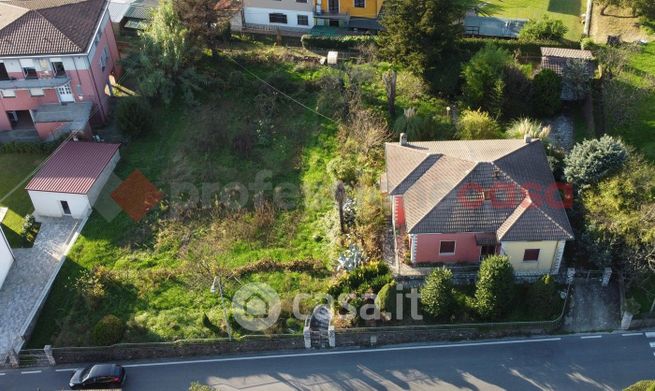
point(616, 21)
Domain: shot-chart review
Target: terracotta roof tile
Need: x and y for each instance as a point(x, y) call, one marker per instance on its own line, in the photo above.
point(30, 27)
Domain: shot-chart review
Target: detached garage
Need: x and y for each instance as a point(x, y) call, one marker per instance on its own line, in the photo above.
point(6, 257)
point(70, 181)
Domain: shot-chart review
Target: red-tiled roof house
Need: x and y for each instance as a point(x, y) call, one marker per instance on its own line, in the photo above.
point(460, 201)
point(70, 181)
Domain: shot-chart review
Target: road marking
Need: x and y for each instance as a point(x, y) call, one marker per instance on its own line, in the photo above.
point(591, 336)
point(631, 334)
point(30, 372)
point(66, 370)
point(652, 344)
point(342, 352)
point(2, 374)
point(650, 334)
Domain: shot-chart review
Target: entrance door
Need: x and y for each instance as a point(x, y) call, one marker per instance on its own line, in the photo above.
point(487, 250)
point(333, 6)
point(65, 93)
point(65, 207)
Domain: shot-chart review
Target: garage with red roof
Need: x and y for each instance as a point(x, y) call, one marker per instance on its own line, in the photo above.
point(70, 181)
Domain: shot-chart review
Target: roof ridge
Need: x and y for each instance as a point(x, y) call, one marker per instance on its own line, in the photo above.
point(447, 194)
point(515, 150)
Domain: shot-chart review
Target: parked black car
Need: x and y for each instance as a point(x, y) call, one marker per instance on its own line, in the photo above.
point(98, 376)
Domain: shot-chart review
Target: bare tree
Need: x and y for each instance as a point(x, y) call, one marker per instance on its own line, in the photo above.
point(390, 78)
point(340, 197)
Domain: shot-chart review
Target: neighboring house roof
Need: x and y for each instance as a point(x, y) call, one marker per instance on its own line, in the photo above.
point(556, 59)
point(567, 53)
point(443, 184)
point(73, 168)
point(33, 27)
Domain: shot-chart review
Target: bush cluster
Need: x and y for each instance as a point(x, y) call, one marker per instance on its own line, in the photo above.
point(134, 116)
point(108, 331)
point(372, 276)
point(343, 42)
point(31, 147)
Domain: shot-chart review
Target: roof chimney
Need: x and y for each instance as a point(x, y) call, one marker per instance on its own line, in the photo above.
point(527, 139)
point(403, 139)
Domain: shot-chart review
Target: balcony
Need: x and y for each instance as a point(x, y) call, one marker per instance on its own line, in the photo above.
point(24, 84)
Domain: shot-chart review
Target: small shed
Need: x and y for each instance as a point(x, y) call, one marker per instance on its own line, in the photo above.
point(6, 257)
point(556, 59)
point(70, 181)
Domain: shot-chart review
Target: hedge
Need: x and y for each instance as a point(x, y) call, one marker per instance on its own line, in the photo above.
point(30, 147)
point(531, 49)
point(340, 42)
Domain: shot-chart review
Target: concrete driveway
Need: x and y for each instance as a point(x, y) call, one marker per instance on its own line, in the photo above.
point(29, 279)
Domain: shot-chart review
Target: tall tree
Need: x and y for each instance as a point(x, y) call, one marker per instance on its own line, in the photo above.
point(419, 34)
point(164, 66)
point(200, 18)
point(484, 82)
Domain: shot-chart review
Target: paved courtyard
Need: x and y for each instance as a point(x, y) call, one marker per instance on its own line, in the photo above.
point(28, 277)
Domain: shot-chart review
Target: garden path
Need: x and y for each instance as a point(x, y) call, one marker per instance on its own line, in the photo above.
point(28, 280)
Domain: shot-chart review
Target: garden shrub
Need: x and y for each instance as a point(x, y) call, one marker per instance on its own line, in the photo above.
point(372, 275)
point(196, 386)
point(134, 116)
point(517, 88)
point(344, 170)
point(437, 293)
point(546, 93)
point(483, 78)
point(643, 385)
point(29, 229)
point(341, 42)
point(108, 331)
point(386, 299)
point(477, 125)
point(493, 293)
point(522, 127)
point(591, 160)
point(416, 126)
point(543, 29)
point(543, 298)
point(31, 147)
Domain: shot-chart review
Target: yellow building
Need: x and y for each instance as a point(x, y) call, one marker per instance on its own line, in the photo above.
point(360, 14)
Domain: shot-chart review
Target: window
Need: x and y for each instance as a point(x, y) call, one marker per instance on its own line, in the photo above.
point(37, 92)
point(29, 70)
point(104, 57)
point(447, 247)
point(531, 255)
point(58, 69)
point(301, 1)
point(487, 195)
point(360, 3)
point(303, 20)
point(277, 18)
point(3, 72)
point(8, 93)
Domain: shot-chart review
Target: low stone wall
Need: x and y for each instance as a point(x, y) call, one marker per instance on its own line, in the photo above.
point(642, 323)
point(122, 352)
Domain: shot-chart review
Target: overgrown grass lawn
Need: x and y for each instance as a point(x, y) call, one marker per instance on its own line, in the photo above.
point(17, 167)
point(640, 131)
point(568, 11)
point(155, 274)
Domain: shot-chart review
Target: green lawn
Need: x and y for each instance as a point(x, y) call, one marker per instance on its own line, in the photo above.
point(568, 11)
point(640, 131)
point(16, 169)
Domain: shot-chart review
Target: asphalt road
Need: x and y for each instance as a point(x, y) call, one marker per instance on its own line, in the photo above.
point(575, 362)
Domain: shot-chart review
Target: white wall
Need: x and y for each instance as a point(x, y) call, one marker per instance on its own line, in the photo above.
point(47, 204)
point(6, 257)
point(260, 16)
point(95, 190)
point(515, 252)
